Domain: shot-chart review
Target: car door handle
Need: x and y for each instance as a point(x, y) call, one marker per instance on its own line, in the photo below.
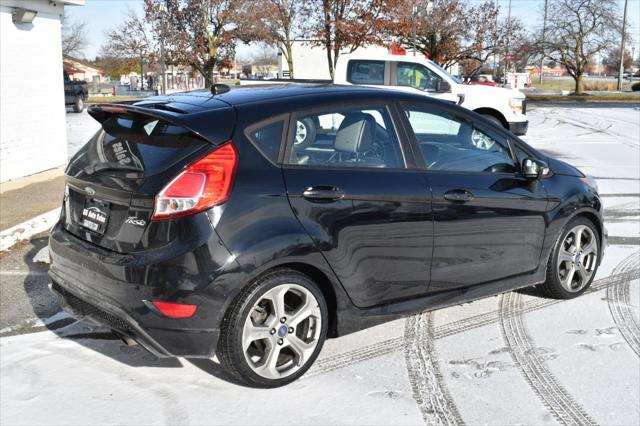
point(323, 193)
point(458, 195)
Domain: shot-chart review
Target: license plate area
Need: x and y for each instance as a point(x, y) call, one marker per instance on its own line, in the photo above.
point(95, 215)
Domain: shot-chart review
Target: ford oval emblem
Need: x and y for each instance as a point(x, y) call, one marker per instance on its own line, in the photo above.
point(90, 190)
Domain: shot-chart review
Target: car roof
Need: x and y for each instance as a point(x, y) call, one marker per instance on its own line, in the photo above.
point(202, 100)
point(391, 57)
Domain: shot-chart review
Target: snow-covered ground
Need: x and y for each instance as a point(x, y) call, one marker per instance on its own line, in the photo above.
point(512, 359)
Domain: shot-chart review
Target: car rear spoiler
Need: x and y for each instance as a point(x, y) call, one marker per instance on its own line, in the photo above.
point(199, 123)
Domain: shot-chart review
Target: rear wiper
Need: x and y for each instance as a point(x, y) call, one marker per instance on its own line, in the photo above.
point(111, 165)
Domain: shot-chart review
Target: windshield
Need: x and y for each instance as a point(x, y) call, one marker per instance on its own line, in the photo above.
point(445, 72)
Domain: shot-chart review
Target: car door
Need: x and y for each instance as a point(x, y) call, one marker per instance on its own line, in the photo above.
point(369, 214)
point(416, 78)
point(489, 220)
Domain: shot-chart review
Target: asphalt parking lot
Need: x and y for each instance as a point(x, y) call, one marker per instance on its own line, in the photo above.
point(517, 358)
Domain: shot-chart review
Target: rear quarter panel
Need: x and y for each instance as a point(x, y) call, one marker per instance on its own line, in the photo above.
point(257, 224)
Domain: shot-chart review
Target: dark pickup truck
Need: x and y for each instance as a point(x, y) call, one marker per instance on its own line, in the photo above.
point(75, 93)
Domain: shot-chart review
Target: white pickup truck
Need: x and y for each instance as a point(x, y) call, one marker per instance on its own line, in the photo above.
point(417, 74)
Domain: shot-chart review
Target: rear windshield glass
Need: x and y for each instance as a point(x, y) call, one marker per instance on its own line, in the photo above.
point(136, 143)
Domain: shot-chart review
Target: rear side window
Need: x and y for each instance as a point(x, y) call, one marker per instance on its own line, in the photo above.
point(136, 143)
point(267, 138)
point(360, 137)
point(365, 72)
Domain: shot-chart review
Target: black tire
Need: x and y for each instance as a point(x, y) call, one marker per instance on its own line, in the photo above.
point(552, 287)
point(230, 352)
point(495, 120)
point(309, 133)
point(78, 104)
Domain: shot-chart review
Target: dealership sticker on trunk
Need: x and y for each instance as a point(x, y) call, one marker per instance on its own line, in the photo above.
point(95, 215)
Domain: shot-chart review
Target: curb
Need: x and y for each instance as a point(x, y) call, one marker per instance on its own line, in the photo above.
point(25, 230)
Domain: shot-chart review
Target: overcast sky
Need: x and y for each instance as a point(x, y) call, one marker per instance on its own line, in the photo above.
point(101, 15)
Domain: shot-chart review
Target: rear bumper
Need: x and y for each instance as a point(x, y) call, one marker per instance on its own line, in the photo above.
point(108, 288)
point(84, 307)
point(519, 127)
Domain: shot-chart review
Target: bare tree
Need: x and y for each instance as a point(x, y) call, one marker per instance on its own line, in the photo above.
point(74, 36)
point(487, 36)
point(203, 33)
point(523, 51)
point(611, 61)
point(579, 29)
point(345, 25)
point(263, 60)
point(133, 38)
point(281, 24)
point(453, 31)
point(117, 66)
point(434, 28)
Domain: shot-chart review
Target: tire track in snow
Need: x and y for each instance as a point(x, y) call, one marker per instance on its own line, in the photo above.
point(619, 301)
point(591, 128)
point(345, 359)
point(533, 365)
point(429, 390)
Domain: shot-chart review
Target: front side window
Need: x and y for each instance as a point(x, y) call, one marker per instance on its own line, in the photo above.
point(365, 72)
point(450, 143)
point(417, 76)
point(345, 137)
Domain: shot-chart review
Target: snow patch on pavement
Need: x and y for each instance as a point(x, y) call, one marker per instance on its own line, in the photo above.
point(108, 383)
point(42, 255)
point(28, 229)
point(36, 323)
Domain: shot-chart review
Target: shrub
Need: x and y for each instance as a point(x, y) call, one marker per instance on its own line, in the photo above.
point(601, 86)
point(636, 86)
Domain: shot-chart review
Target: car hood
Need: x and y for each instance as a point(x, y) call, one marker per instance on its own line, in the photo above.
point(480, 90)
point(563, 168)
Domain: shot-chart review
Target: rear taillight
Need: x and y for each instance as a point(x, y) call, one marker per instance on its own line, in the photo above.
point(203, 184)
point(175, 310)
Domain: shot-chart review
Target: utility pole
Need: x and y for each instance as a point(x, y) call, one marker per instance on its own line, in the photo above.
point(506, 51)
point(162, 64)
point(544, 31)
point(624, 28)
point(496, 71)
point(414, 10)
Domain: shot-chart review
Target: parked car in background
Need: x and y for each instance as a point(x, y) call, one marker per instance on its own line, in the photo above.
point(416, 74)
point(198, 225)
point(483, 80)
point(76, 93)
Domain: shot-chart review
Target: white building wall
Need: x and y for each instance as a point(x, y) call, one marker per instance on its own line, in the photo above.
point(310, 62)
point(32, 113)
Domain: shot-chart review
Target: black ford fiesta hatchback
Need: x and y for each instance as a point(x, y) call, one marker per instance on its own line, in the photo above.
point(253, 224)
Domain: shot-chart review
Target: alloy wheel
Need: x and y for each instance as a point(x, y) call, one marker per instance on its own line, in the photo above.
point(301, 133)
point(481, 141)
point(281, 331)
point(577, 258)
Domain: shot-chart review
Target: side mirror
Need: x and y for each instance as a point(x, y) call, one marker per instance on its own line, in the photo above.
point(443, 87)
point(533, 168)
